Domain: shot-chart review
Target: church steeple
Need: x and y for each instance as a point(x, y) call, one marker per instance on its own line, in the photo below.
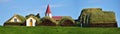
point(48, 12)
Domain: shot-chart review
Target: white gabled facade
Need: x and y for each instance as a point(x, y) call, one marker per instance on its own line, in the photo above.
point(15, 19)
point(28, 21)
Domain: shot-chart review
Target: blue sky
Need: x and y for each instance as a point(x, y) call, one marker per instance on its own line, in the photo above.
point(58, 7)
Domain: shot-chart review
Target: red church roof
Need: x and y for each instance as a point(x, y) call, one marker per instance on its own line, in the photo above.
point(48, 10)
point(57, 17)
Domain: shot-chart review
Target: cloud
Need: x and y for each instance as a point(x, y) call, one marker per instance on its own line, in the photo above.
point(32, 11)
point(3, 1)
point(53, 5)
point(94, 1)
point(56, 5)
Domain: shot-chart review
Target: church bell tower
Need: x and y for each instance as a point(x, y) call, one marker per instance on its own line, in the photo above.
point(48, 12)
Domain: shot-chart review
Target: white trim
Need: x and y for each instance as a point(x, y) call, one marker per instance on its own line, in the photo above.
point(12, 20)
point(49, 15)
point(28, 21)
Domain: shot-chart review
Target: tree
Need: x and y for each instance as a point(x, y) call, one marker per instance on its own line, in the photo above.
point(38, 15)
point(30, 15)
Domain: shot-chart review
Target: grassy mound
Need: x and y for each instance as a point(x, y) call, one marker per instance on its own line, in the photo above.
point(56, 30)
point(97, 15)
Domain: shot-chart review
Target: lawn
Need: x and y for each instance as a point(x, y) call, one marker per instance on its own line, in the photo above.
point(57, 30)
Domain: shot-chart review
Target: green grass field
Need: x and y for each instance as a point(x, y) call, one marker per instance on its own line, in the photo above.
point(57, 30)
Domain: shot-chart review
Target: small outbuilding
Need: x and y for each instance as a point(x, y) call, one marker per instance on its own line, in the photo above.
point(16, 20)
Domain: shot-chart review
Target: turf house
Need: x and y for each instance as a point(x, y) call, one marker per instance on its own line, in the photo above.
point(89, 17)
point(96, 17)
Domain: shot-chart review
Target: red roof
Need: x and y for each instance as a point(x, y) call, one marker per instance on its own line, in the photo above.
point(48, 10)
point(57, 17)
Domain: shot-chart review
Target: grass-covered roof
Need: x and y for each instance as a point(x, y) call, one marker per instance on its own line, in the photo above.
point(96, 15)
point(66, 18)
point(21, 18)
point(33, 16)
point(48, 18)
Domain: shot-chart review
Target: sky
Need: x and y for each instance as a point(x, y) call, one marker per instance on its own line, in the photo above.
point(58, 7)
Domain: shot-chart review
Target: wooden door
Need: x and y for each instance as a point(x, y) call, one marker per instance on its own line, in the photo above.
point(31, 22)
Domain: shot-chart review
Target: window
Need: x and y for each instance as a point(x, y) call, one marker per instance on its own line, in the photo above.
point(30, 20)
point(15, 20)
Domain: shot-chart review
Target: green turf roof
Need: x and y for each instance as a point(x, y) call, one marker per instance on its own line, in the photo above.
point(33, 16)
point(21, 18)
point(98, 16)
point(48, 18)
point(66, 18)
